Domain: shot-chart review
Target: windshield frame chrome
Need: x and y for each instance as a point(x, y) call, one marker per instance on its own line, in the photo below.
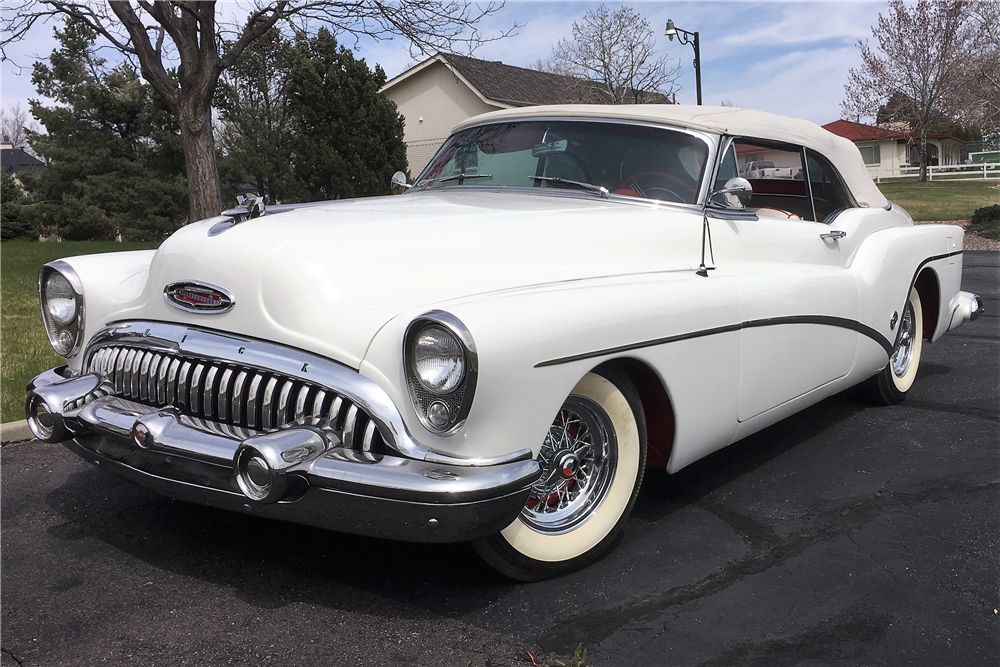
point(711, 141)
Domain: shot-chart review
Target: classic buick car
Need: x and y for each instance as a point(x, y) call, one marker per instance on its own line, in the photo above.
point(564, 297)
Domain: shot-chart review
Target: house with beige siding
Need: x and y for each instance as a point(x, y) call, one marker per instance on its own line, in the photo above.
point(888, 150)
point(446, 89)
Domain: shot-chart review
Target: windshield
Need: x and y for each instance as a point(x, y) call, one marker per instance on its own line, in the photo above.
point(592, 157)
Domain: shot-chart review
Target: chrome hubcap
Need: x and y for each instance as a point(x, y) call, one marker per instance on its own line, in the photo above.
point(578, 460)
point(903, 354)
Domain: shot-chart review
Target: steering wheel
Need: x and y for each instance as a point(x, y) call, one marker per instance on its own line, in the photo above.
point(633, 185)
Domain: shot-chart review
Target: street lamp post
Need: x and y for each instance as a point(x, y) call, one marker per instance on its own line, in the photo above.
point(685, 37)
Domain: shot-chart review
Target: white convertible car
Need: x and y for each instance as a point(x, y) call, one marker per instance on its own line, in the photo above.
point(565, 296)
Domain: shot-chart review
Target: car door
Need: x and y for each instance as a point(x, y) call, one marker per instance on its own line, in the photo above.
point(798, 306)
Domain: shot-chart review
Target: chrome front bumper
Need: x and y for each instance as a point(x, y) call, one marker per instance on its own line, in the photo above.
point(298, 473)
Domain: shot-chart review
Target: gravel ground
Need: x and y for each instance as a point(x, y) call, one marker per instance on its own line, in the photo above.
point(972, 241)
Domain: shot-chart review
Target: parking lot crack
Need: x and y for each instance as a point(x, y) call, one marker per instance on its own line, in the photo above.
point(756, 533)
point(845, 634)
point(966, 410)
point(597, 625)
point(13, 656)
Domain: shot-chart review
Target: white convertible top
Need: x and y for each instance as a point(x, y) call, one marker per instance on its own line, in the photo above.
point(721, 120)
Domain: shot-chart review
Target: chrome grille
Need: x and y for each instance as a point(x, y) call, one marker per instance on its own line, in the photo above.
point(228, 398)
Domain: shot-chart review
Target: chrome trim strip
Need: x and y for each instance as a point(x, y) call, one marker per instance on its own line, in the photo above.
point(335, 408)
point(182, 384)
point(223, 393)
point(349, 421)
point(143, 377)
point(209, 392)
point(282, 416)
point(300, 402)
point(269, 357)
point(366, 443)
point(825, 320)
point(175, 364)
point(266, 407)
point(317, 408)
point(196, 388)
point(252, 393)
point(238, 385)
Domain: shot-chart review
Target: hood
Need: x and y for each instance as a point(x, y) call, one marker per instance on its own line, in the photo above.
point(327, 278)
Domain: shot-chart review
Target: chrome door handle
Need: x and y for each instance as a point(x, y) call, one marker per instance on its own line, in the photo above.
point(833, 235)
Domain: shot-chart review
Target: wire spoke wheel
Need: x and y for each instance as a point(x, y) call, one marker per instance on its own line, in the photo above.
point(578, 460)
point(591, 462)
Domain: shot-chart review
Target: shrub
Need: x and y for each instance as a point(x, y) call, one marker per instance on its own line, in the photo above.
point(15, 223)
point(986, 222)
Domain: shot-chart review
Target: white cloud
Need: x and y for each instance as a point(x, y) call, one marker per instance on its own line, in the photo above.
point(803, 84)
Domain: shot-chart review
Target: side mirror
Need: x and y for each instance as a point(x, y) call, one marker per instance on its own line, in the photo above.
point(398, 184)
point(737, 191)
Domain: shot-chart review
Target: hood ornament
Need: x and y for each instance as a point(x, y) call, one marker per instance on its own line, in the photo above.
point(196, 297)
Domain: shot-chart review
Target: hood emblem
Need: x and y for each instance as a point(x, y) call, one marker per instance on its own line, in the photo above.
point(196, 297)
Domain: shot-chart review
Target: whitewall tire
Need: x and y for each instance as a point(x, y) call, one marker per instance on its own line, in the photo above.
point(593, 459)
point(891, 385)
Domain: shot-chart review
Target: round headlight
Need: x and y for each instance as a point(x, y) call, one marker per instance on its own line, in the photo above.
point(438, 359)
point(60, 300)
point(62, 306)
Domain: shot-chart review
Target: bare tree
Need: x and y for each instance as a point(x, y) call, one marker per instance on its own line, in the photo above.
point(980, 92)
point(15, 124)
point(188, 35)
point(615, 53)
point(918, 63)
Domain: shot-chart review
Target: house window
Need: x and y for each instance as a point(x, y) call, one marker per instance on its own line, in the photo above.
point(871, 154)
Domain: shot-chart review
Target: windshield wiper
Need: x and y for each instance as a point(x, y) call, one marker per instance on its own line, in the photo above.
point(461, 177)
point(589, 186)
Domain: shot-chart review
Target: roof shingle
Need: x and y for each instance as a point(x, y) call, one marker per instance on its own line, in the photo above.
point(520, 87)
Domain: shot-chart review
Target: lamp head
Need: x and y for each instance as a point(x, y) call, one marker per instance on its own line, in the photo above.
point(671, 30)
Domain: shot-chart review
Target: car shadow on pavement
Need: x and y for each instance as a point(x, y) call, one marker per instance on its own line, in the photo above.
point(270, 564)
point(664, 493)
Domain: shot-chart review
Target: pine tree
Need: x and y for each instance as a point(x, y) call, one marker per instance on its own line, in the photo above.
point(112, 148)
point(13, 222)
point(348, 138)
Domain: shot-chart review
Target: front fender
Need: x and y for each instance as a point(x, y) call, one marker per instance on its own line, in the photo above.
point(535, 344)
point(109, 281)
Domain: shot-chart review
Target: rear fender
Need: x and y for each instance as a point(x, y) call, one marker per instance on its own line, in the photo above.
point(888, 265)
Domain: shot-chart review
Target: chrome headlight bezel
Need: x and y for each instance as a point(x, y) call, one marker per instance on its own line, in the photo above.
point(456, 401)
point(55, 329)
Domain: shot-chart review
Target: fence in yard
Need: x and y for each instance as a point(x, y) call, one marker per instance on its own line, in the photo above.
point(957, 172)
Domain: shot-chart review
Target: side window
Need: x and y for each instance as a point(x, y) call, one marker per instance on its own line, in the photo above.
point(775, 173)
point(828, 191)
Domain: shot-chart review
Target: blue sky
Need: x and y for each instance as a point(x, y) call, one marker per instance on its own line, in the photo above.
point(790, 58)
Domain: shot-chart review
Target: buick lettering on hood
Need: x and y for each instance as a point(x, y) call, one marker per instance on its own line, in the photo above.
point(565, 296)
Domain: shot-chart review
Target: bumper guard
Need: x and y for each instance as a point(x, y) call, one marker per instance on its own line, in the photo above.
point(299, 473)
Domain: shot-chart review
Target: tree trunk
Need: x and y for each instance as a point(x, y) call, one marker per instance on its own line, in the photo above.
point(198, 140)
point(923, 156)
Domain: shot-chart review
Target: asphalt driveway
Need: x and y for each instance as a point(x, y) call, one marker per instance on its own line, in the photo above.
point(844, 535)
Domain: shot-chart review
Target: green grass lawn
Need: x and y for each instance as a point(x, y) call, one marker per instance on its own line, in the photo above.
point(942, 200)
point(24, 348)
